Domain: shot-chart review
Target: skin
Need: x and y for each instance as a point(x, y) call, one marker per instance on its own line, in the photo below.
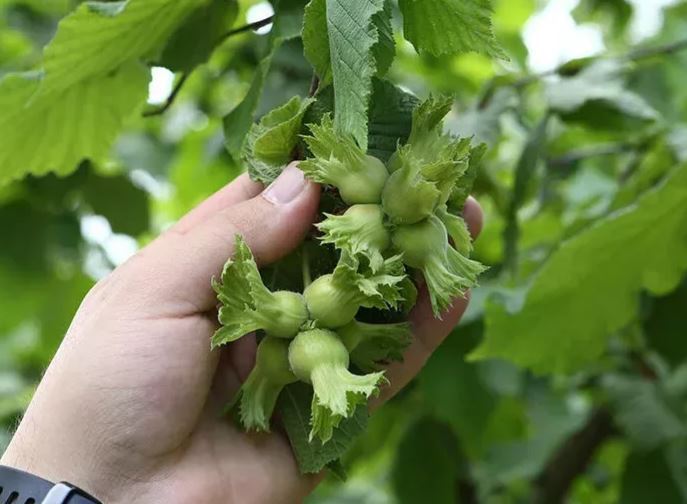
point(129, 407)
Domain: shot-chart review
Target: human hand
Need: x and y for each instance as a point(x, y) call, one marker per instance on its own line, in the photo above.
point(129, 408)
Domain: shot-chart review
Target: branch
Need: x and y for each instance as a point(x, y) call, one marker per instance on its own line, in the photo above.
point(299, 151)
point(662, 50)
point(633, 55)
point(572, 458)
point(170, 100)
point(250, 26)
point(467, 490)
point(574, 156)
point(314, 85)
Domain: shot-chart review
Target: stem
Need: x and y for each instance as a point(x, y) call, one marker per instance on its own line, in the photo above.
point(170, 100)
point(314, 85)
point(305, 266)
point(574, 156)
point(572, 458)
point(634, 55)
point(525, 169)
point(250, 26)
point(649, 52)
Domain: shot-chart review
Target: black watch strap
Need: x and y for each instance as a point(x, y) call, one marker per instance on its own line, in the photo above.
point(19, 487)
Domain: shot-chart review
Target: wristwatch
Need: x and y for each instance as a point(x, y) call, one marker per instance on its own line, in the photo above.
point(19, 487)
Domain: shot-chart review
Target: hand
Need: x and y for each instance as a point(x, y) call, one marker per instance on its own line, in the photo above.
point(129, 407)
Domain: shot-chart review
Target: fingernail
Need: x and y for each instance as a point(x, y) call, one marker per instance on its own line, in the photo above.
point(286, 187)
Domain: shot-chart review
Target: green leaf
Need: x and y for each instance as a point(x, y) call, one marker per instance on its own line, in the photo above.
point(524, 172)
point(294, 409)
point(665, 326)
point(32, 237)
point(43, 133)
point(384, 50)
point(617, 13)
point(483, 119)
point(99, 37)
point(345, 47)
point(588, 288)
point(649, 171)
point(277, 131)
point(91, 82)
point(601, 82)
point(271, 142)
point(352, 36)
point(427, 465)
point(390, 118)
point(643, 411)
point(648, 477)
point(456, 391)
point(237, 123)
point(316, 40)
point(552, 420)
point(125, 206)
point(194, 41)
point(450, 26)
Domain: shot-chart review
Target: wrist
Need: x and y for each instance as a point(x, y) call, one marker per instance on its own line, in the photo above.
point(24, 487)
point(51, 467)
point(96, 481)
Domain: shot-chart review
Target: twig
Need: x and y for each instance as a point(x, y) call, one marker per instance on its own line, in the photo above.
point(574, 156)
point(633, 55)
point(526, 166)
point(314, 85)
point(467, 490)
point(170, 100)
point(649, 52)
point(572, 458)
point(250, 26)
point(305, 266)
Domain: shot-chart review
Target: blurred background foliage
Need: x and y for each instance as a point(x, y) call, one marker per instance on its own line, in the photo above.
point(587, 117)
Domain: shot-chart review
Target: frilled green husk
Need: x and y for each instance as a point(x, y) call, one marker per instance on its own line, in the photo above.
point(265, 382)
point(334, 299)
point(462, 189)
point(247, 305)
point(270, 142)
point(337, 393)
point(360, 232)
point(371, 345)
point(448, 277)
point(457, 229)
point(448, 274)
point(408, 198)
point(428, 169)
point(381, 289)
point(338, 161)
point(320, 358)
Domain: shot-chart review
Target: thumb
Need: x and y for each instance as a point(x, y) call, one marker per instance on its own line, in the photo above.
point(273, 223)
